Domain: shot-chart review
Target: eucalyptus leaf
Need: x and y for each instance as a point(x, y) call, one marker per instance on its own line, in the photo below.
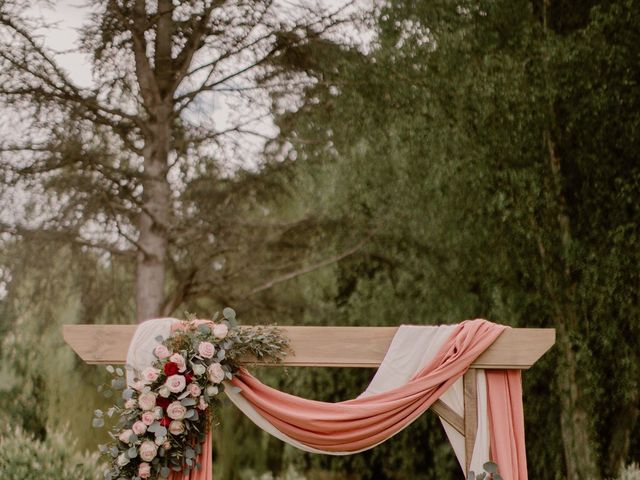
point(97, 422)
point(229, 313)
point(132, 452)
point(188, 402)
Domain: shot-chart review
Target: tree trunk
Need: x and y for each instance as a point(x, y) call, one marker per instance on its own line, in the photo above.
point(575, 424)
point(154, 218)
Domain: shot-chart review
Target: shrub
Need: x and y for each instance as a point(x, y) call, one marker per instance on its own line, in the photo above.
point(23, 457)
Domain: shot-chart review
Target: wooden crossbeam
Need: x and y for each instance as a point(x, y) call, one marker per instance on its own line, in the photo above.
point(517, 348)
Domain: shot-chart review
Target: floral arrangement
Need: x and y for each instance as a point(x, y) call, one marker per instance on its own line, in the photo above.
point(164, 416)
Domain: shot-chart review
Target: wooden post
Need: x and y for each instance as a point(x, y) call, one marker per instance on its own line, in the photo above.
point(470, 415)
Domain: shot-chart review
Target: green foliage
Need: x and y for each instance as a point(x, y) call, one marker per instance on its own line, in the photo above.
point(23, 456)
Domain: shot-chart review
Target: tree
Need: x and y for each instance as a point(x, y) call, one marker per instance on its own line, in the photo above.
point(125, 166)
point(497, 144)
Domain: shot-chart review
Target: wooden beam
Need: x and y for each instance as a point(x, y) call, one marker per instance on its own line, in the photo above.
point(516, 348)
point(447, 414)
point(470, 415)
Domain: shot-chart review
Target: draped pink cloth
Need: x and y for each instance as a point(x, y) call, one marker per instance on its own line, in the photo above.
point(364, 422)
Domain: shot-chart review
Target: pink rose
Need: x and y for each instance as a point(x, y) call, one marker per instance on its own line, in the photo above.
point(147, 401)
point(175, 383)
point(202, 404)
point(161, 352)
point(125, 435)
point(129, 404)
point(150, 374)
point(144, 470)
point(176, 427)
point(206, 349)
point(148, 450)
point(216, 374)
point(176, 411)
point(166, 445)
point(220, 330)
point(178, 360)
point(139, 427)
point(149, 417)
point(194, 389)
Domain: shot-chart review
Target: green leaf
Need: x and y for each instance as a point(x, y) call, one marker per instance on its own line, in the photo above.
point(490, 467)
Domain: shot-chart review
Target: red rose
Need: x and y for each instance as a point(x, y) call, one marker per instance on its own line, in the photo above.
point(162, 402)
point(165, 421)
point(170, 368)
point(188, 377)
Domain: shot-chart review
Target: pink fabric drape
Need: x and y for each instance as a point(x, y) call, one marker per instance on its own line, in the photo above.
point(506, 417)
point(364, 422)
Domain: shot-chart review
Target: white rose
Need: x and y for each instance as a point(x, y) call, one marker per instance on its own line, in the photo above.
point(199, 369)
point(164, 391)
point(216, 373)
point(147, 400)
point(150, 374)
point(160, 440)
point(212, 390)
point(176, 383)
point(122, 460)
point(178, 360)
point(148, 450)
point(176, 427)
point(125, 435)
point(176, 411)
point(206, 349)
point(220, 330)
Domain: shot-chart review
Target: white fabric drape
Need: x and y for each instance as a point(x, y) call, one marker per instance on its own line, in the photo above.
point(411, 349)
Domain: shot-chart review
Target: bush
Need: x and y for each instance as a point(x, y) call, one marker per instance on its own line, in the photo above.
point(631, 472)
point(23, 457)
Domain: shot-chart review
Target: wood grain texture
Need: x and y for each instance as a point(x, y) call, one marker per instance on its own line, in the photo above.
point(516, 348)
point(448, 415)
point(470, 415)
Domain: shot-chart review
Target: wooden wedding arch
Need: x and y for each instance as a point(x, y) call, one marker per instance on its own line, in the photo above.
point(517, 348)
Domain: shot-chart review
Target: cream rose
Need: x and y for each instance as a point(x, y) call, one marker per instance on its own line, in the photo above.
point(144, 470)
point(161, 352)
point(176, 427)
point(125, 435)
point(194, 389)
point(206, 349)
point(176, 411)
point(175, 383)
point(122, 460)
point(220, 330)
point(147, 400)
point(129, 404)
point(148, 417)
point(139, 427)
point(212, 390)
point(178, 360)
point(150, 374)
point(148, 450)
point(216, 374)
